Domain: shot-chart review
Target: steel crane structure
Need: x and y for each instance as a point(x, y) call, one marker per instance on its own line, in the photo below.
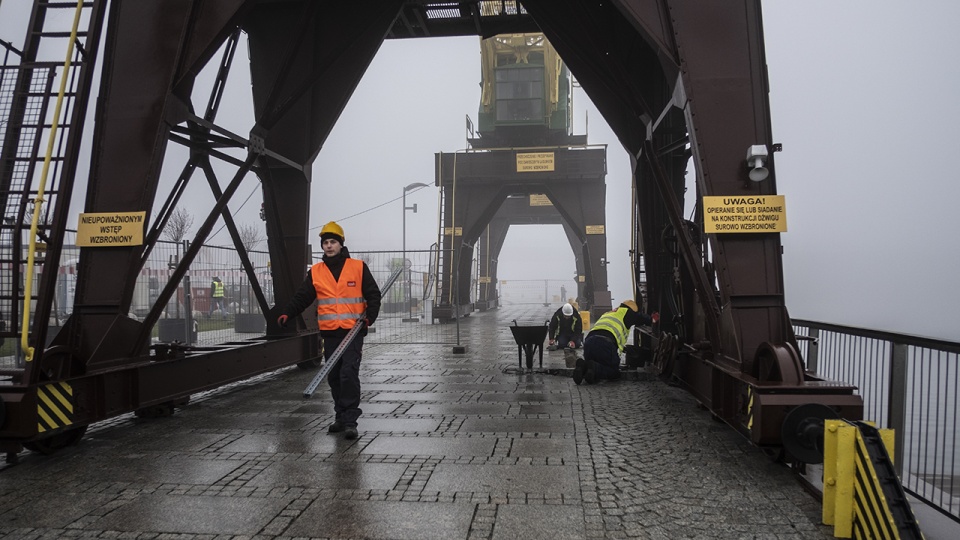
point(678, 82)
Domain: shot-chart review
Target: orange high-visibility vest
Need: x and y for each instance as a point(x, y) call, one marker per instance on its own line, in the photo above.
point(339, 303)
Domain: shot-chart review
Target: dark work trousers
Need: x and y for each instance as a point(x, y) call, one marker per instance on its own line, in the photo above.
point(605, 356)
point(344, 379)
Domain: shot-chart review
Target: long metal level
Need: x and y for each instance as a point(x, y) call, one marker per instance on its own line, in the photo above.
point(348, 339)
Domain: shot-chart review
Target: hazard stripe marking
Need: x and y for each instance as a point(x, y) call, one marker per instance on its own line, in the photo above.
point(54, 406)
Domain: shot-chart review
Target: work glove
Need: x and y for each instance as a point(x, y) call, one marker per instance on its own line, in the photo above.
point(655, 317)
point(551, 342)
point(282, 320)
point(572, 345)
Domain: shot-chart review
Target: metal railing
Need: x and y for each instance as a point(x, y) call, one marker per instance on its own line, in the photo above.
point(193, 318)
point(406, 311)
point(544, 292)
point(908, 384)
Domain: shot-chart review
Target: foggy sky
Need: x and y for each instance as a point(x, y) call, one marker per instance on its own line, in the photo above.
point(863, 98)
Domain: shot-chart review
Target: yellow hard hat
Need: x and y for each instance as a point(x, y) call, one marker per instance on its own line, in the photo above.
point(332, 228)
point(631, 304)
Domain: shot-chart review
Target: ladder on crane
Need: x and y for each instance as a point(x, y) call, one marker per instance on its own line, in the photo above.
point(43, 104)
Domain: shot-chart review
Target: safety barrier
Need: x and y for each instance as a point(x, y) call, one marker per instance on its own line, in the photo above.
point(862, 497)
point(545, 292)
point(406, 314)
point(192, 317)
point(908, 384)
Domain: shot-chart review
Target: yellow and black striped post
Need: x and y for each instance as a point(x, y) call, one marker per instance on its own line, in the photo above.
point(55, 407)
point(862, 495)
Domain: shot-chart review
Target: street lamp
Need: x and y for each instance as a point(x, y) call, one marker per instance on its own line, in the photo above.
point(406, 268)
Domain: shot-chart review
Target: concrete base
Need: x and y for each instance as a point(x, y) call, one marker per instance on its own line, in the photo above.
point(450, 312)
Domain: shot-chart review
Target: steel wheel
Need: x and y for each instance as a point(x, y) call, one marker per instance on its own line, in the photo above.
point(57, 441)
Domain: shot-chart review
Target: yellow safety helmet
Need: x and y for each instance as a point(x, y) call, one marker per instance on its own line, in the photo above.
point(332, 229)
point(631, 304)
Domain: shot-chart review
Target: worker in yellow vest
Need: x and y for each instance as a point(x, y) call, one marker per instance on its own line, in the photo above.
point(607, 337)
point(217, 295)
point(345, 291)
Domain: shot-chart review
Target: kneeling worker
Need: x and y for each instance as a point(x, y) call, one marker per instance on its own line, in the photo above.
point(602, 346)
point(566, 329)
point(344, 289)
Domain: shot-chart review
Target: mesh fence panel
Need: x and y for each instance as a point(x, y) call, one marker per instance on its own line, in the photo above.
point(192, 317)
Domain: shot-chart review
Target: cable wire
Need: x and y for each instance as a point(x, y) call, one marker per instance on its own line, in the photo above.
point(370, 209)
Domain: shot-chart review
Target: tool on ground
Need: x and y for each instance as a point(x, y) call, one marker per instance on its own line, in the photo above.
point(347, 340)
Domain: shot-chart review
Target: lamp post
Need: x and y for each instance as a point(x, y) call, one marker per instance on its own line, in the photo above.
point(406, 269)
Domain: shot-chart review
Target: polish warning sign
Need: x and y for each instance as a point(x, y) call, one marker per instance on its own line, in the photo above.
point(539, 199)
point(111, 229)
point(535, 162)
point(736, 214)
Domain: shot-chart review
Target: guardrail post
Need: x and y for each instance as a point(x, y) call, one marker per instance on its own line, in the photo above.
point(813, 349)
point(896, 415)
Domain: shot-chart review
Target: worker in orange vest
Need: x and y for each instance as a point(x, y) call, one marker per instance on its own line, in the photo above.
point(345, 291)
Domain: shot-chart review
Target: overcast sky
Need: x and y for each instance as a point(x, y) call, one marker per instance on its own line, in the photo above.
point(864, 101)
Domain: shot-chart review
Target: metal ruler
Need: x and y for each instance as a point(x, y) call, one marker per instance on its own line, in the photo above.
point(348, 339)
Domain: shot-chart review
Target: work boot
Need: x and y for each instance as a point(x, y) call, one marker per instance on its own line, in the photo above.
point(579, 370)
point(551, 347)
point(589, 374)
point(350, 433)
point(335, 427)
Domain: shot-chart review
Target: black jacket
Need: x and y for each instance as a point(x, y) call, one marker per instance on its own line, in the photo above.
point(306, 293)
point(558, 319)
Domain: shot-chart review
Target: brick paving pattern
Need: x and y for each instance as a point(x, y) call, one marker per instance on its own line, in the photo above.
point(451, 446)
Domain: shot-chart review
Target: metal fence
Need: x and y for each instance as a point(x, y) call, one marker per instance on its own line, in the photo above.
point(908, 384)
point(545, 292)
point(192, 317)
point(406, 312)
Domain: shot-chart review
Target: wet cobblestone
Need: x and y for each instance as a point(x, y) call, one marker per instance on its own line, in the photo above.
point(455, 446)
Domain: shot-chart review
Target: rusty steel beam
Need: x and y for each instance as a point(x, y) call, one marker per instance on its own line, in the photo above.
point(170, 375)
point(675, 80)
point(517, 211)
point(477, 183)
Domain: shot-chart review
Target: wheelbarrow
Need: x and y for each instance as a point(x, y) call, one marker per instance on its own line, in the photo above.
point(529, 339)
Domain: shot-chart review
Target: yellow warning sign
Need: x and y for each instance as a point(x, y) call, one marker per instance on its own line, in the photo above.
point(735, 214)
point(595, 229)
point(539, 199)
point(110, 229)
point(447, 231)
point(535, 162)
point(484, 279)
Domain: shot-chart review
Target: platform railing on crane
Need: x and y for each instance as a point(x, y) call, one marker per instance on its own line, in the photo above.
point(909, 384)
point(35, 203)
point(41, 188)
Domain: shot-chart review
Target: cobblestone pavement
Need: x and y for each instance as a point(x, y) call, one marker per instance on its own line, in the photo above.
point(451, 446)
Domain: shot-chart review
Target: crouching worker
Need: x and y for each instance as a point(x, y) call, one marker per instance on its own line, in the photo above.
point(344, 289)
point(602, 346)
point(566, 329)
